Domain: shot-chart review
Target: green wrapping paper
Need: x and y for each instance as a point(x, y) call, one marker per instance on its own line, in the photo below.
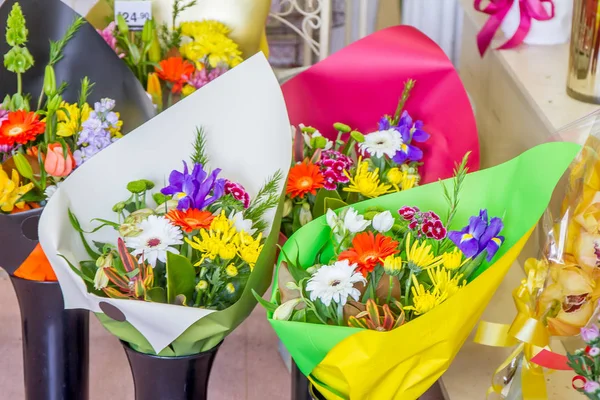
point(346, 362)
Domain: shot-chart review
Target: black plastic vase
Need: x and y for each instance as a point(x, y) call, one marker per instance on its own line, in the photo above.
point(170, 378)
point(55, 343)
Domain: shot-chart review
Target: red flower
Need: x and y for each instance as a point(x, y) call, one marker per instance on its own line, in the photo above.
point(21, 127)
point(304, 178)
point(408, 213)
point(191, 219)
point(369, 250)
point(176, 71)
point(434, 229)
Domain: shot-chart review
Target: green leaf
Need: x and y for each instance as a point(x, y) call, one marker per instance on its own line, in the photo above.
point(181, 277)
point(334, 204)
point(75, 223)
point(299, 315)
point(156, 295)
point(132, 274)
point(270, 307)
point(297, 272)
point(104, 223)
point(322, 195)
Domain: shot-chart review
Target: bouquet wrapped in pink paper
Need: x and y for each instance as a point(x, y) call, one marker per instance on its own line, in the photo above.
point(383, 115)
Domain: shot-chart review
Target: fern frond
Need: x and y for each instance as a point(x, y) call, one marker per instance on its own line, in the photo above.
point(199, 156)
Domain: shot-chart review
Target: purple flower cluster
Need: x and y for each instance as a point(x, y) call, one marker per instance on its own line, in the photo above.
point(426, 224)
point(238, 192)
point(480, 235)
point(409, 130)
point(202, 77)
point(95, 134)
point(195, 190)
point(333, 164)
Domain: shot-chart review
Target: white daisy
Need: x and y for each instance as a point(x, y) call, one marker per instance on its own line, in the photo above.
point(240, 223)
point(156, 239)
point(335, 283)
point(381, 143)
point(383, 221)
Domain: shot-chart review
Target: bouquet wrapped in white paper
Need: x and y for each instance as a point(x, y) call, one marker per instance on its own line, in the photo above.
point(183, 295)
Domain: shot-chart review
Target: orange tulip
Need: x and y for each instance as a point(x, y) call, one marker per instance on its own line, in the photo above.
point(57, 163)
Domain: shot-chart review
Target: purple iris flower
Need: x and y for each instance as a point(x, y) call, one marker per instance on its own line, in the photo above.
point(480, 235)
point(415, 129)
point(194, 190)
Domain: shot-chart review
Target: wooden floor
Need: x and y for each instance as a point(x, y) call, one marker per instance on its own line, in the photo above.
point(248, 365)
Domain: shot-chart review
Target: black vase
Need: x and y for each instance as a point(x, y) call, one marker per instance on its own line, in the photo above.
point(55, 343)
point(170, 378)
point(300, 384)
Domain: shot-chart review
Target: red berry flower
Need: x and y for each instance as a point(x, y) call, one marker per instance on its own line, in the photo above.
point(408, 213)
point(238, 192)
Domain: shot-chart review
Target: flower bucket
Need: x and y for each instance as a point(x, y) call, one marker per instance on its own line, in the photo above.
point(55, 343)
point(172, 378)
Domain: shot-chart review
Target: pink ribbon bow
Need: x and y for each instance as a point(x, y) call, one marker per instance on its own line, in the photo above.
point(497, 10)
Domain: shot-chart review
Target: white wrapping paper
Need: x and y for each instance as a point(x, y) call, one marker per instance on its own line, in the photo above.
point(247, 132)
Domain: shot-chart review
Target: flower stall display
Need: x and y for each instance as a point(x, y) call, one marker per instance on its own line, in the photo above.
point(397, 283)
point(172, 57)
point(167, 258)
point(58, 111)
point(385, 114)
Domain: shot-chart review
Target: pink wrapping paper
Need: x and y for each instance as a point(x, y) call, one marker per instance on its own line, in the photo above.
point(362, 82)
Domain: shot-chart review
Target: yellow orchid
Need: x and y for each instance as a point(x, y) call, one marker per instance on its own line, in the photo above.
point(367, 183)
point(568, 303)
point(69, 122)
point(11, 191)
point(154, 89)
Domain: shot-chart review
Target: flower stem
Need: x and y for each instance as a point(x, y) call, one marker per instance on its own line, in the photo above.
point(391, 286)
point(407, 288)
point(408, 86)
point(19, 83)
point(372, 286)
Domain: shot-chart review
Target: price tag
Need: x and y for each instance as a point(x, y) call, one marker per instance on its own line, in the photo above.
point(135, 13)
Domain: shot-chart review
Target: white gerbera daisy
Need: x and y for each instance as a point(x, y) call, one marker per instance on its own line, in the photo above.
point(335, 282)
point(157, 237)
point(381, 143)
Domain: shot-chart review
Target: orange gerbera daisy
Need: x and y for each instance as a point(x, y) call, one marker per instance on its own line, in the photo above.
point(191, 219)
point(176, 71)
point(369, 250)
point(21, 127)
point(304, 178)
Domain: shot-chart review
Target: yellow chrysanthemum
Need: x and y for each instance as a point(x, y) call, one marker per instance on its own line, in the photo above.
point(394, 176)
point(443, 281)
point(453, 260)
point(231, 270)
point(197, 29)
point(367, 183)
point(69, 122)
point(408, 181)
point(420, 255)
point(249, 248)
point(220, 240)
point(392, 265)
point(217, 48)
point(425, 300)
point(11, 191)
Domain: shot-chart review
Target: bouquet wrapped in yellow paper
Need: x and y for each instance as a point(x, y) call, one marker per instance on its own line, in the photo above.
point(561, 292)
point(439, 265)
